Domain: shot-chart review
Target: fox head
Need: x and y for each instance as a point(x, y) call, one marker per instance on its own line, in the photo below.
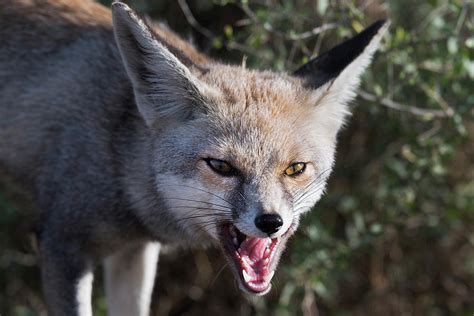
point(239, 155)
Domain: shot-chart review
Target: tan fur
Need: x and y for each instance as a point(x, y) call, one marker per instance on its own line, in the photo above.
point(54, 15)
point(112, 124)
point(269, 114)
point(211, 180)
point(65, 19)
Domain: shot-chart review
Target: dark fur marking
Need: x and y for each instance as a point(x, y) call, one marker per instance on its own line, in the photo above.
point(330, 64)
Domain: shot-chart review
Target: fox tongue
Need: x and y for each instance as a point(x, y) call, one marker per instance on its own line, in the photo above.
point(254, 253)
point(254, 247)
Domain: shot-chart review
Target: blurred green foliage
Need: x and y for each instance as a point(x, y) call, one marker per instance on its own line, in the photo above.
point(395, 233)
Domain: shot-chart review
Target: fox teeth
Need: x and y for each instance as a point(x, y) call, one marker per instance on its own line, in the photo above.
point(270, 276)
point(235, 241)
point(247, 261)
point(266, 254)
point(247, 277)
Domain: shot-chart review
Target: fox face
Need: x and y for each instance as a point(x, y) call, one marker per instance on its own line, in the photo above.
point(239, 155)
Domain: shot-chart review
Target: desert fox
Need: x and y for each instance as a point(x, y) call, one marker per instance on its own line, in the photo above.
point(127, 138)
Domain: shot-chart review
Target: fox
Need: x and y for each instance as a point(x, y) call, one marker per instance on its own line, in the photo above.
point(128, 138)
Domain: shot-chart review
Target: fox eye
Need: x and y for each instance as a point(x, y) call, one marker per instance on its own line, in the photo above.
point(221, 167)
point(295, 169)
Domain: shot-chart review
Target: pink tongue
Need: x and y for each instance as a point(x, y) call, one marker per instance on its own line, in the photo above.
point(252, 251)
point(254, 248)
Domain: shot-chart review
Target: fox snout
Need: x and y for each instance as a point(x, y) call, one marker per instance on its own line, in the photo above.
point(254, 240)
point(269, 223)
point(264, 222)
point(265, 210)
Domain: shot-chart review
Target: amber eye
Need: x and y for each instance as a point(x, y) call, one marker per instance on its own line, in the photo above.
point(221, 167)
point(295, 169)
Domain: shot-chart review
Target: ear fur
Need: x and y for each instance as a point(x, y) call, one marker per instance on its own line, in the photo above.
point(163, 86)
point(335, 75)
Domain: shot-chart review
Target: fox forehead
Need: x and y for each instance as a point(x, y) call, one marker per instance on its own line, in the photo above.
point(255, 118)
point(260, 118)
point(262, 93)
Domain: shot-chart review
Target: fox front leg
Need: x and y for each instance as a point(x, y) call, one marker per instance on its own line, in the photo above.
point(129, 278)
point(67, 279)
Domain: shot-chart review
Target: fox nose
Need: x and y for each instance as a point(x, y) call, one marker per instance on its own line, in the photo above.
point(269, 223)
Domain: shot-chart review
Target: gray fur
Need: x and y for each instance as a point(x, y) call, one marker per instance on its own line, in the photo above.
point(110, 141)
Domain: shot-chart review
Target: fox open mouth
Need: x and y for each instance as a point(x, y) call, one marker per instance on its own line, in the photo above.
point(254, 258)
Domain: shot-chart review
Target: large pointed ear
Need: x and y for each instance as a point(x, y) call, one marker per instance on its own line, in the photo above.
point(163, 86)
point(335, 75)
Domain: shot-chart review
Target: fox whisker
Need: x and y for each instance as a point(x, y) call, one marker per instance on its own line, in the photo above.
point(197, 201)
point(202, 190)
point(228, 211)
point(244, 199)
point(318, 178)
point(314, 183)
point(214, 219)
point(152, 200)
point(219, 272)
point(311, 190)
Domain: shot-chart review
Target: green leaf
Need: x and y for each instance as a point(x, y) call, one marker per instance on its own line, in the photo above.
point(453, 45)
point(322, 6)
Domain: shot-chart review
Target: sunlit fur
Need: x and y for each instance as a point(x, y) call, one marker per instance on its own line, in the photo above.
point(259, 122)
point(108, 122)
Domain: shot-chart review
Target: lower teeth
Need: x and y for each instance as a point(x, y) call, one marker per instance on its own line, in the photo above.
point(247, 277)
point(270, 276)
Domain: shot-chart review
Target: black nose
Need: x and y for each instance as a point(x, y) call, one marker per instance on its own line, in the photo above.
point(269, 223)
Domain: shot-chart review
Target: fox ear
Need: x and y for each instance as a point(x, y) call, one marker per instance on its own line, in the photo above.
point(164, 87)
point(335, 75)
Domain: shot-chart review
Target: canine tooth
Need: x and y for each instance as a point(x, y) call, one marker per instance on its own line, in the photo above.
point(235, 241)
point(270, 276)
point(247, 277)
